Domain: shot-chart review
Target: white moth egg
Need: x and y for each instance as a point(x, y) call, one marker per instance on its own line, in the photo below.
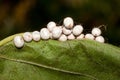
point(27, 36)
point(66, 31)
point(44, 33)
point(77, 30)
point(36, 35)
point(81, 36)
point(68, 22)
point(51, 25)
point(96, 32)
point(100, 39)
point(63, 38)
point(56, 32)
point(71, 37)
point(18, 41)
point(89, 36)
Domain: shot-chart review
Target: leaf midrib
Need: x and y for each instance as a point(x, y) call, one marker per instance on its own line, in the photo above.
point(48, 67)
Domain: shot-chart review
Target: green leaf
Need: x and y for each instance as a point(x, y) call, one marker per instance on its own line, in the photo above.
point(55, 60)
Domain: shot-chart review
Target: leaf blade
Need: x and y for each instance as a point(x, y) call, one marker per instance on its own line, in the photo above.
point(86, 58)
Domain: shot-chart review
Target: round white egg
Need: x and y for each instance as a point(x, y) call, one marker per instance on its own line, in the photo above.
point(44, 33)
point(18, 41)
point(100, 39)
point(96, 32)
point(81, 36)
point(27, 36)
point(71, 37)
point(89, 36)
point(77, 30)
point(66, 31)
point(56, 32)
point(63, 38)
point(68, 22)
point(51, 25)
point(36, 35)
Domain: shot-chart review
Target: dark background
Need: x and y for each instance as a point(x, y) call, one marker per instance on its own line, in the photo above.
point(28, 15)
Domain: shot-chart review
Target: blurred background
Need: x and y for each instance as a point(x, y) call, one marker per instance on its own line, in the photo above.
point(18, 16)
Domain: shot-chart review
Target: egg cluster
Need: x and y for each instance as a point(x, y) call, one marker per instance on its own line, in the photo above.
point(68, 31)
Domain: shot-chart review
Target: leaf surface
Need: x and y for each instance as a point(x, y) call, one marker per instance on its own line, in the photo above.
point(55, 60)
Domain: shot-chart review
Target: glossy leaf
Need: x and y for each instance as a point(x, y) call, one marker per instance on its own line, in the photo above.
point(55, 60)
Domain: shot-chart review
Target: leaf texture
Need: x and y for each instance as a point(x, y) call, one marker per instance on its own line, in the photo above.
point(55, 60)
